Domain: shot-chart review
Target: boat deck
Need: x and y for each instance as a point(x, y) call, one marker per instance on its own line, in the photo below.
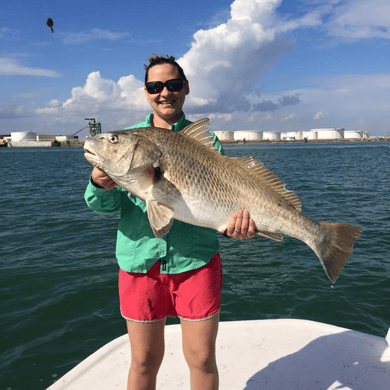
point(253, 355)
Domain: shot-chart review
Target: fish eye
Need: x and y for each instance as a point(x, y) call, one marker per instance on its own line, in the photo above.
point(113, 139)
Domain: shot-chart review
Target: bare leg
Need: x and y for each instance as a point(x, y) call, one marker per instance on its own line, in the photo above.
point(199, 339)
point(147, 352)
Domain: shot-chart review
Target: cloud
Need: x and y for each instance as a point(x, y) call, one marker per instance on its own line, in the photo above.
point(100, 96)
point(225, 62)
point(11, 67)
point(13, 111)
point(8, 33)
point(289, 117)
point(363, 19)
point(318, 115)
point(92, 35)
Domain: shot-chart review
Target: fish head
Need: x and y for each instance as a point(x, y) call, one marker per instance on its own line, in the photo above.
point(118, 153)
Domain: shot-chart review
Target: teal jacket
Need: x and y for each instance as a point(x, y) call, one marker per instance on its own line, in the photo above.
point(184, 248)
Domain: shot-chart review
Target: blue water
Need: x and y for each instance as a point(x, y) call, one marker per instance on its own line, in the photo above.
point(58, 280)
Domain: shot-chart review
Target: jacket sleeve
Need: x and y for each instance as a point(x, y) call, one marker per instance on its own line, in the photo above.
point(217, 143)
point(102, 201)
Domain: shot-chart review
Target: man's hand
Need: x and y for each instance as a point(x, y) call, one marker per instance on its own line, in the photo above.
point(241, 226)
point(102, 179)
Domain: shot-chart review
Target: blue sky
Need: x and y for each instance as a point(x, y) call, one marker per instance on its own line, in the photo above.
point(269, 65)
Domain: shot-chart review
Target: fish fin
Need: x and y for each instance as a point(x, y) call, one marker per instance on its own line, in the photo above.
point(146, 175)
point(257, 168)
point(199, 132)
point(272, 236)
point(160, 218)
point(335, 247)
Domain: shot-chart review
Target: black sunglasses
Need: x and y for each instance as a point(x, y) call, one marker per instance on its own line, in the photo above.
point(174, 85)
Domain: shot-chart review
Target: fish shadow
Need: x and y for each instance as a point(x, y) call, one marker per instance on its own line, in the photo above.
point(347, 360)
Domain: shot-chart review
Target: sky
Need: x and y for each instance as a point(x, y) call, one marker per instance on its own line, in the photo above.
point(271, 65)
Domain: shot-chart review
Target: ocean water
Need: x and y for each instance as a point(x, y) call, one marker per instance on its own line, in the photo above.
point(58, 274)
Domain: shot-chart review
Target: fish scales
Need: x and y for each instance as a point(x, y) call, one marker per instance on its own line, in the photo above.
point(182, 176)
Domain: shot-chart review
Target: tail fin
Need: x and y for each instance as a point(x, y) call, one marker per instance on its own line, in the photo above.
point(336, 247)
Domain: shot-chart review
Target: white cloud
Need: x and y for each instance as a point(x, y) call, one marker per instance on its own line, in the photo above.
point(11, 67)
point(8, 33)
point(92, 35)
point(362, 19)
point(100, 96)
point(225, 62)
point(13, 111)
point(318, 115)
point(289, 117)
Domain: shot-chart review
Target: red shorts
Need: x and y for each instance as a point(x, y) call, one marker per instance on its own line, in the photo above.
point(192, 295)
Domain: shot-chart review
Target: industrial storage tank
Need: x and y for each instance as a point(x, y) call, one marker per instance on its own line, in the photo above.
point(248, 135)
point(271, 135)
point(329, 133)
point(288, 136)
point(17, 136)
point(353, 134)
point(225, 135)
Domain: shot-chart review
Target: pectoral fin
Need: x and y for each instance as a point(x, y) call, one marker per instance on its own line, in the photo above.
point(144, 176)
point(160, 218)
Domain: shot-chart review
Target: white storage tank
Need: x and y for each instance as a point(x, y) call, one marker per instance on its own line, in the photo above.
point(313, 135)
point(299, 135)
point(255, 135)
point(18, 136)
point(329, 133)
point(353, 134)
point(271, 135)
point(248, 135)
point(288, 136)
point(225, 135)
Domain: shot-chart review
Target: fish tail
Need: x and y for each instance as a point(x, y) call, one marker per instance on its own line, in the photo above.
point(335, 247)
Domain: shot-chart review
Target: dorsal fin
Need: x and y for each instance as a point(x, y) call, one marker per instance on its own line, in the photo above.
point(199, 132)
point(257, 168)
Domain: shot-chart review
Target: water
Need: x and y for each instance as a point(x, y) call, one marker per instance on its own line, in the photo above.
point(58, 280)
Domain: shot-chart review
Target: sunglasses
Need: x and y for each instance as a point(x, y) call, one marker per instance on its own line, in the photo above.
point(174, 85)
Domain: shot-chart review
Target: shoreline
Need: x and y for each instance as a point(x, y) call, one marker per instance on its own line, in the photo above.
point(80, 143)
point(315, 141)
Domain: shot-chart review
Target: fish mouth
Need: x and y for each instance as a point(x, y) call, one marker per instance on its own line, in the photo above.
point(93, 159)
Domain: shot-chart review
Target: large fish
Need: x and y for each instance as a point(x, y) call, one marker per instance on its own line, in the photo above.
point(182, 176)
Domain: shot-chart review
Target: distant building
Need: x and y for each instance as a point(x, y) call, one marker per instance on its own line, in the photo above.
point(225, 135)
point(17, 136)
point(355, 134)
point(331, 133)
point(328, 133)
point(271, 135)
point(248, 135)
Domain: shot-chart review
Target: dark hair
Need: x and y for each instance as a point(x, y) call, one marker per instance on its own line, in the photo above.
point(156, 59)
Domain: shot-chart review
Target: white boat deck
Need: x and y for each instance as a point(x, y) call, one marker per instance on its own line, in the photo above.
point(281, 354)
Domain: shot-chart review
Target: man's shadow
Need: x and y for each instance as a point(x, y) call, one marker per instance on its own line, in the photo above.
point(347, 360)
